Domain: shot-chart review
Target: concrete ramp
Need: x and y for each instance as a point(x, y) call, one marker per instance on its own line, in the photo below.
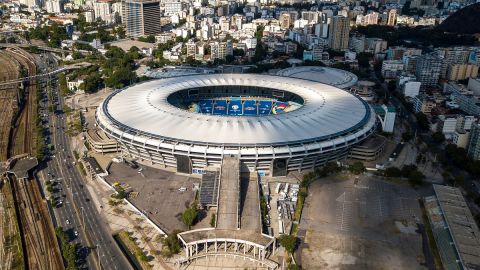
point(229, 194)
point(250, 213)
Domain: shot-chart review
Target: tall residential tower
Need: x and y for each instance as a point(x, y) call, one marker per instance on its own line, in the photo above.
point(141, 17)
point(339, 33)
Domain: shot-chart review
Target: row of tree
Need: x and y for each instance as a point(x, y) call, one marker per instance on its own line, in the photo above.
point(411, 172)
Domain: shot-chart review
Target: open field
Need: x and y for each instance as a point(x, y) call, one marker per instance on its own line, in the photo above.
point(360, 224)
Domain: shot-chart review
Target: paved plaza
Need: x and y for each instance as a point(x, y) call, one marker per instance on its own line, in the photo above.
point(156, 192)
point(360, 224)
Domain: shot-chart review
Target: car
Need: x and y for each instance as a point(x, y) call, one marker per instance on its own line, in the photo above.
point(76, 233)
point(67, 221)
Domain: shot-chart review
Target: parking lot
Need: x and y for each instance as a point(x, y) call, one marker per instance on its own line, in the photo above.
point(156, 192)
point(360, 224)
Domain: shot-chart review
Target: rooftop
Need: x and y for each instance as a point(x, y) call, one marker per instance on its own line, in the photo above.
point(452, 219)
point(331, 76)
point(216, 234)
point(328, 112)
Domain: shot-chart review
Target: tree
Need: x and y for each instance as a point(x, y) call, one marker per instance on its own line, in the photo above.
point(422, 121)
point(120, 32)
point(407, 169)
point(406, 136)
point(458, 180)
point(92, 83)
point(171, 244)
point(392, 85)
point(238, 52)
point(120, 78)
point(364, 59)
point(213, 220)
point(438, 137)
point(189, 216)
point(289, 242)
point(357, 168)
point(416, 178)
point(149, 39)
point(62, 81)
point(331, 167)
point(229, 59)
point(393, 172)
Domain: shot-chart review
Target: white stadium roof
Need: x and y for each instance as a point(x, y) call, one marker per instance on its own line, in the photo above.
point(331, 76)
point(144, 109)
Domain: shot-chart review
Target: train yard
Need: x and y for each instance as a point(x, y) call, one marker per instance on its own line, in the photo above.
point(41, 250)
point(8, 95)
point(32, 224)
point(22, 135)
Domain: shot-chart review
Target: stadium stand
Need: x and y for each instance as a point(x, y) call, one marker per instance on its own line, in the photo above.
point(235, 107)
point(265, 107)
point(250, 107)
point(206, 106)
point(209, 189)
point(220, 107)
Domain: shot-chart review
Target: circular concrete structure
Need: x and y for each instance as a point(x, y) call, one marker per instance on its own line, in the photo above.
point(331, 76)
point(273, 124)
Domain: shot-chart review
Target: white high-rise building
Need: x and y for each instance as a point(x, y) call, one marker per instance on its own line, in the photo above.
point(172, 7)
point(103, 10)
point(411, 89)
point(31, 3)
point(54, 6)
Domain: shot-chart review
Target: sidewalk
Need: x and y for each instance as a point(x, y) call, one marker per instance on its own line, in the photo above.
point(124, 218)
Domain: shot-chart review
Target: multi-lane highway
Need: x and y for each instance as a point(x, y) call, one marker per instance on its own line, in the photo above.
point(77, 213)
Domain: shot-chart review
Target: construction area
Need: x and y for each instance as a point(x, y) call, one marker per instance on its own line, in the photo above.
point(360, 223)
point(28, 239)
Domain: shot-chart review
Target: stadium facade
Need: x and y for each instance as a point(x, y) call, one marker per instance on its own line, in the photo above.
point(273, 124)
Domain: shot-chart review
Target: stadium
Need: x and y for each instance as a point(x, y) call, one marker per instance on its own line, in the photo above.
point(272, 124)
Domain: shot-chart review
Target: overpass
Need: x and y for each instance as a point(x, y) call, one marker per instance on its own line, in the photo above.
point(51, 73)
point(41, 48)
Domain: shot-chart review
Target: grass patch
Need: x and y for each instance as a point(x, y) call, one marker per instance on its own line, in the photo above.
point(135, 251)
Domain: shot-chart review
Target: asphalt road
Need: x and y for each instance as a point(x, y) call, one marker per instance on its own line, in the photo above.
point(106, 248)
point(78, 207)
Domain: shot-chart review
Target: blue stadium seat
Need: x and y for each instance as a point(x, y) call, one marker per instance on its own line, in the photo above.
point(250, 107)
point(264, 107)
point(235, 107)
point(206, 106)
point(220, 107)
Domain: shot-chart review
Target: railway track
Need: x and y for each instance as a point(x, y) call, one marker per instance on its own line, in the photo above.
point(39, 242)
point(7, 95)
point(21, 136)
point(38, 234)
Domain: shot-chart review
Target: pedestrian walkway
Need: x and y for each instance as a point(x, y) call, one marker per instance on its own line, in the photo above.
point(123, 217)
